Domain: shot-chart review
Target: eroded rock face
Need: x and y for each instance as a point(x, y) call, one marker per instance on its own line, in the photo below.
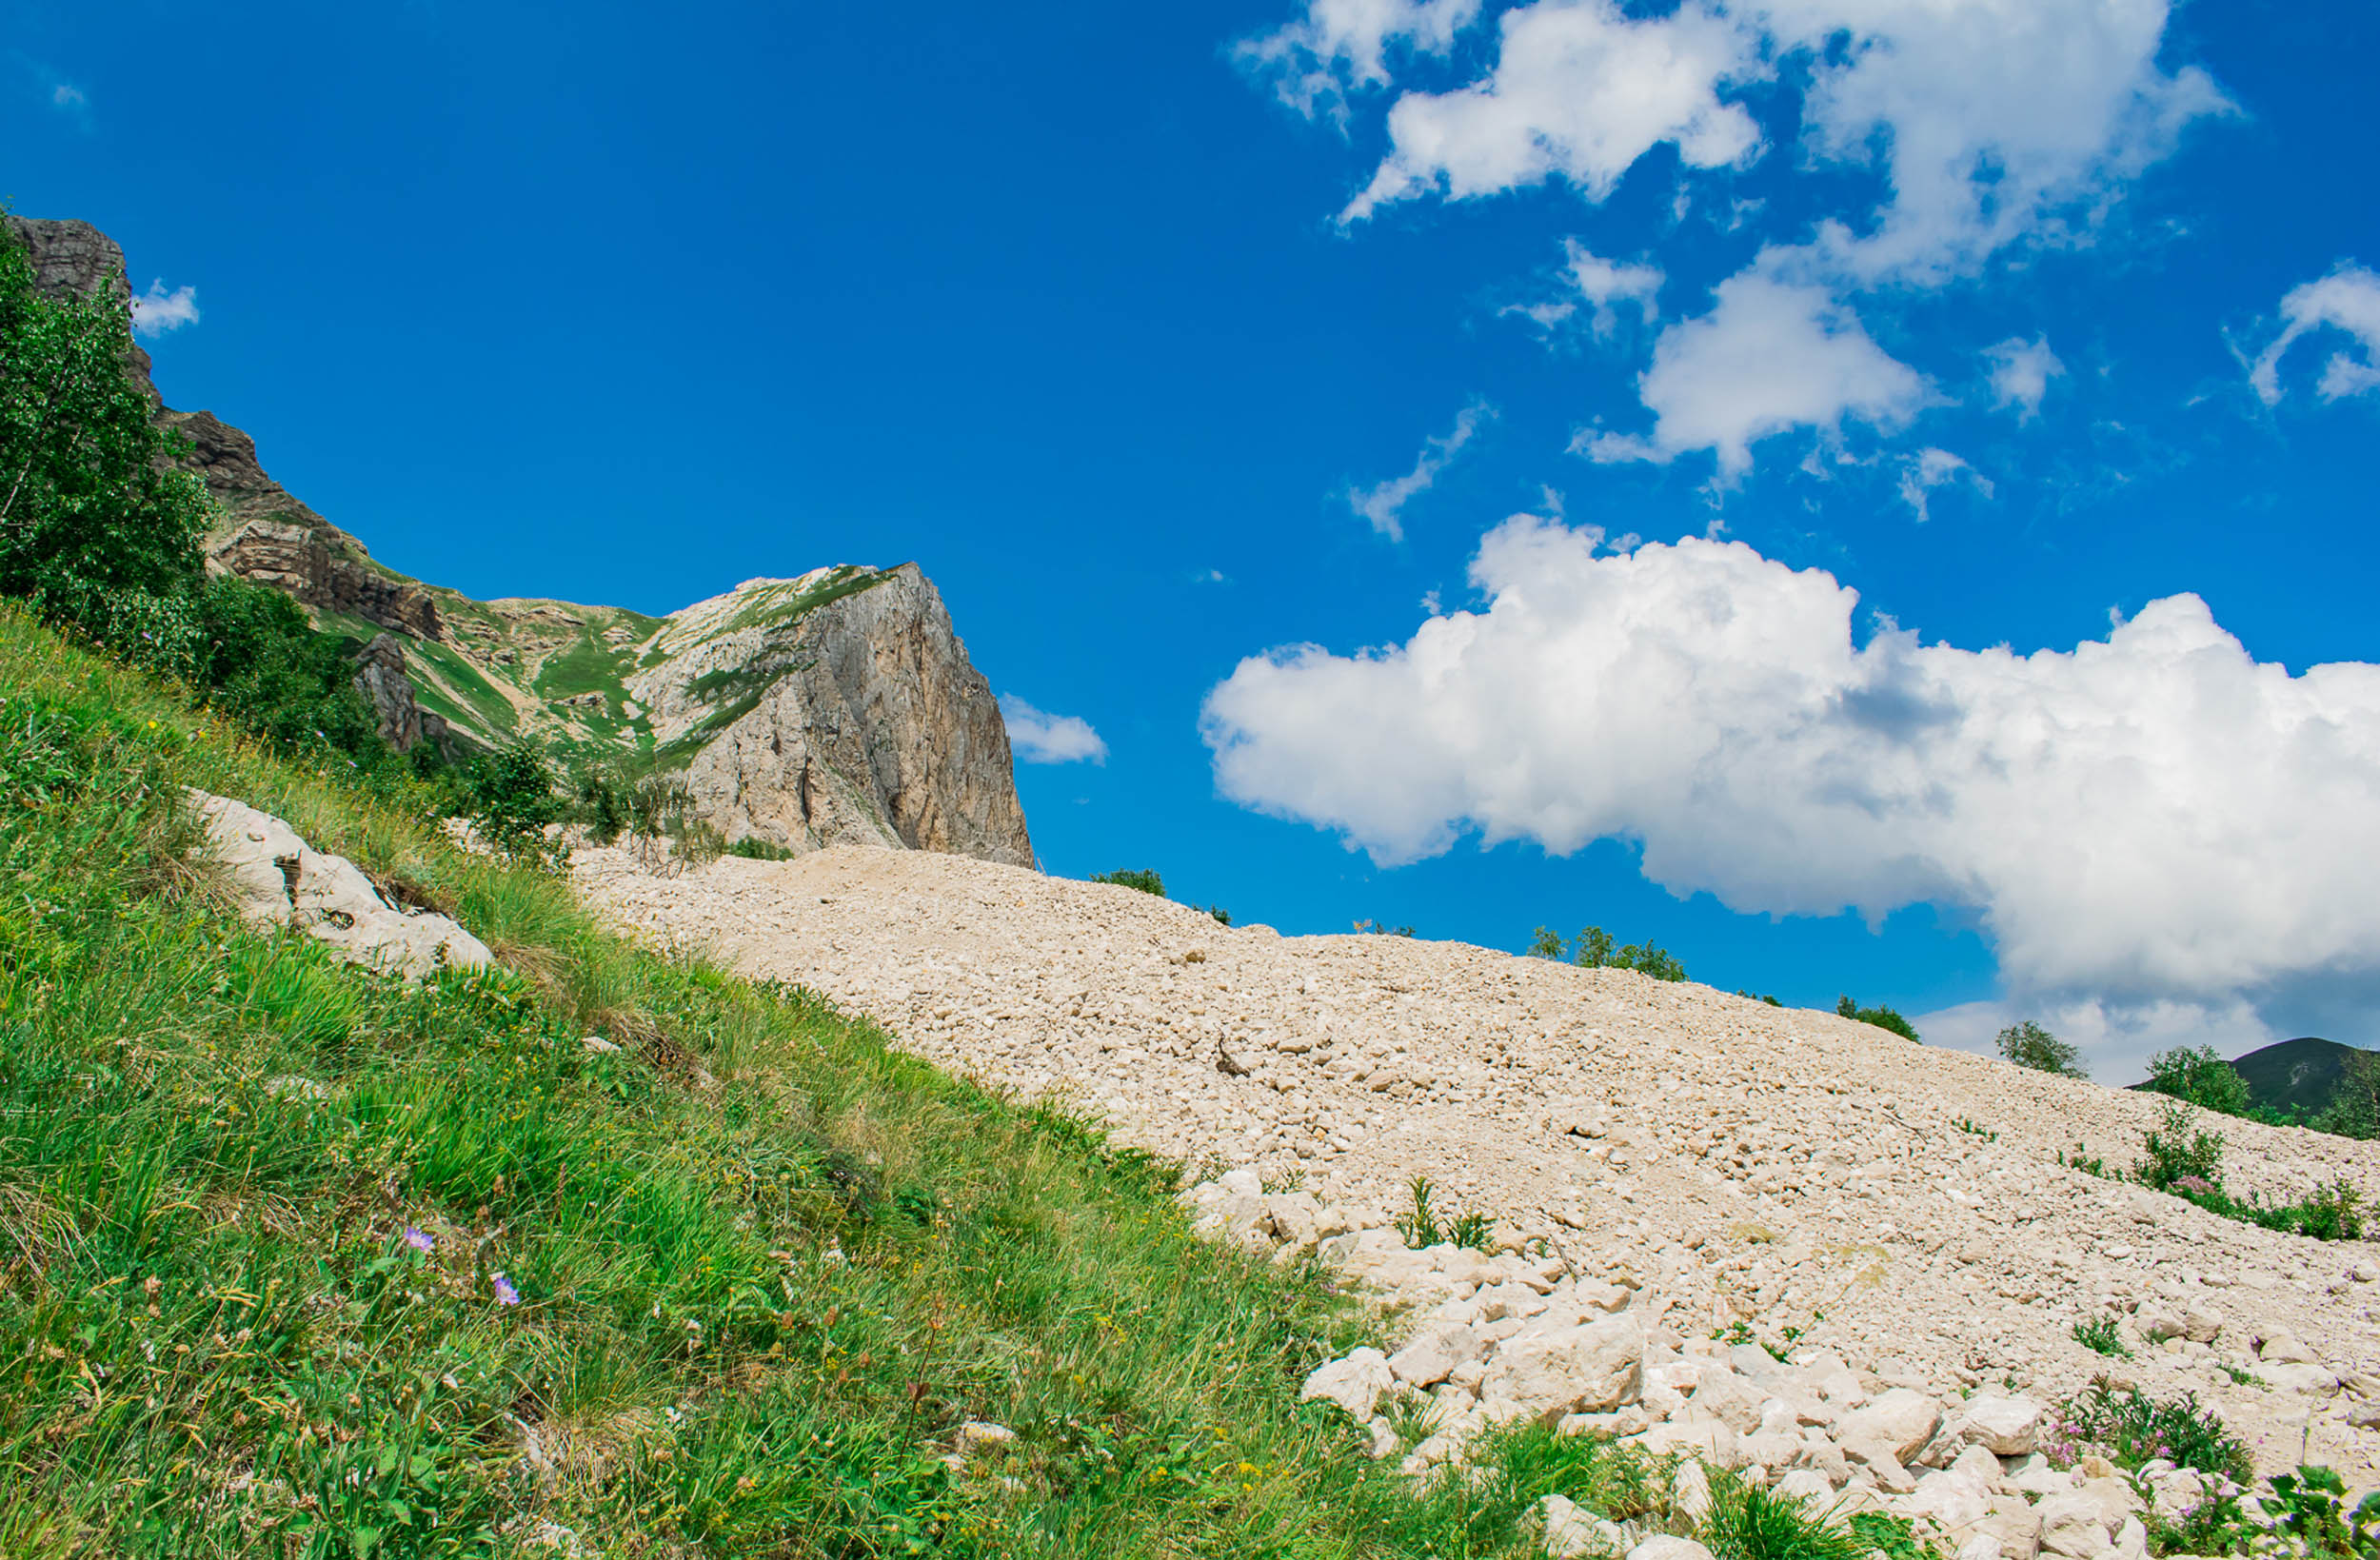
point(867, 725)
point(380, 678)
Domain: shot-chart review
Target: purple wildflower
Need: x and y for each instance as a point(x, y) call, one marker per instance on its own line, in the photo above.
point(419, 1240)
point(2198, 1185)
point(505, 1293)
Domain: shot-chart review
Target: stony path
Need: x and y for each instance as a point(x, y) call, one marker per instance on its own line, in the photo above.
point(1902, 1205)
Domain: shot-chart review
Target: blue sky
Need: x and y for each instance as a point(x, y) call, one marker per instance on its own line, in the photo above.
point(1126, 323)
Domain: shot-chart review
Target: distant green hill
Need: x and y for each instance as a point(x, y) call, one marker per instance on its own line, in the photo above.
point(2294, 1075)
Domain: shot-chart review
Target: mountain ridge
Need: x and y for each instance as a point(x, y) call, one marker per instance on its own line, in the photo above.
point(847, 707)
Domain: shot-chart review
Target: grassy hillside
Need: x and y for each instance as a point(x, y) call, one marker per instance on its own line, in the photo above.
point(296, 1260)
point(2300, 1075)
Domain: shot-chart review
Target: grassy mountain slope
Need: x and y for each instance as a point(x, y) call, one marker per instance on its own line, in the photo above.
point(295, 1260)
point(2299, 1075)
point(560, 671)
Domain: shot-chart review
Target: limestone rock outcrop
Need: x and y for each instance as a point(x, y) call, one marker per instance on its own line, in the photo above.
point(278, 880)
point(836, 709)
point(380, 678)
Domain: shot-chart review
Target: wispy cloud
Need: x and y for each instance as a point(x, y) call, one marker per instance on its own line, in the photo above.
point(2021, 371)
point(1931, 468)
point(2348, 300)
point(69, 98)
point(1038, 737)
point(1383, 504)
point(157, 311)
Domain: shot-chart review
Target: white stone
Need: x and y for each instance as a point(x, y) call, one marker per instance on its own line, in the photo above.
point(1665, 1547)
point(2006, 1426)
point(1900, 1422)
point(1354, 1383)
point(1690, 1491)
point(1592, 1368)
point(1434, 1352)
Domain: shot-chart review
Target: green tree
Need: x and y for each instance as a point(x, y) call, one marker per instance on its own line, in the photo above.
point(2028, 1044)
point(2354, 1107)
point(98, 527)
point(2200, 1078)
point(1547, 943)
point(1595, 948)
point(1147, 883)
point(514, 788)
point(1883, 1018)
point(254, 655)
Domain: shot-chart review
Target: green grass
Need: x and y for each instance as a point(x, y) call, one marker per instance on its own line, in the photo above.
point(588, 666)
point(727, 1292)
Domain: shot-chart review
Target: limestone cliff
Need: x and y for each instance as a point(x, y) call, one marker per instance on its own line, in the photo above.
point(839, 708)
point(836, 708)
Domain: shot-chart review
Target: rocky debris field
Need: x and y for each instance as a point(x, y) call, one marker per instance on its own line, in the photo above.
point(1900, 1222)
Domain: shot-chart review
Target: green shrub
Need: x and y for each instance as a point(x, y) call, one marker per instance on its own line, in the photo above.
point(2179, 1154)
point(513, 799)
point(1147, 883)
point(2028, 1044)
point(1883, 1018)
point(1595, 949)
point(2100, 1336)
point(260, 659)
point(2198, 1077)
point(2131, 1429)
point(2310, 1508)
point(753, 848)
point(2353, 1110)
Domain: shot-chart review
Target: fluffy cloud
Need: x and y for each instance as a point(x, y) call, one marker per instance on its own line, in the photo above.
point(2349, 300)
point(1990, 118)
point(1339, 46)
point(1986, 117)
point(157, 311)
point(1771, 356)
point(1578, 92)
point(2021, 371)
point(1383, 504)
point(2152, 817)
point(69, 98)
point(1038, 737)
point(1987, 123)
point(1602, 286)
point(1931, 468)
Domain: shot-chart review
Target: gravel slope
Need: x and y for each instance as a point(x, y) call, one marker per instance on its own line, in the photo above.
point(1899, 1203)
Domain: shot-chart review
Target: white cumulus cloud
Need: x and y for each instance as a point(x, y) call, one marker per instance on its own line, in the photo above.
point(1578, 92)
point(1988, 123)
point(1771, 356)
point(1038, 737)
point(2021, 371)
point(157, 311)
point(2153, 816)
point(1383, 504)
point(2348, 300)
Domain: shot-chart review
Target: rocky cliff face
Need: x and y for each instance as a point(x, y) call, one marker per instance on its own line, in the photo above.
point(836, 708)
point(839, 708)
